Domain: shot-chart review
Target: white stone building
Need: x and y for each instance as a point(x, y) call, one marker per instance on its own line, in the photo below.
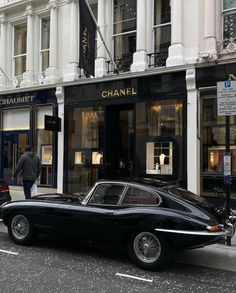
point(157, 118)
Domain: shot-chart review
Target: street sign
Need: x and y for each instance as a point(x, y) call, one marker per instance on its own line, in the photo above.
point(226, 98)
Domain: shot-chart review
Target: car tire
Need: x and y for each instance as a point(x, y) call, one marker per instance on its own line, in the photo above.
point(149, 251)
point(21, 230)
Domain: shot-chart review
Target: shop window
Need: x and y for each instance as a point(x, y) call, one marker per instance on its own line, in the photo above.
point(44, 145)
point(159, 139)
point(213, 145)
point(124, 32)
point(18, 119)
point(85, 147)
point(20, 45)
point(45, 43)
point(229, 19)
point(162, 25)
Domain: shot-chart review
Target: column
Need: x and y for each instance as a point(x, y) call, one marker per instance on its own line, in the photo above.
point(3, 44)
point(71, 71)
point(100, 62)
point(28, 75)
point(176, 50)
point(60, 151)
point(193, 141)
point(140, 62)
point(209, 48)
point(52, 71)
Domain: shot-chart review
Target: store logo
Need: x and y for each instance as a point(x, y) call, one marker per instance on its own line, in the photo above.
point(16, 100)
point(120, 92)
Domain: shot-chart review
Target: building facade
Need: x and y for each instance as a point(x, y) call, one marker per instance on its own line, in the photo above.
point(157, 118)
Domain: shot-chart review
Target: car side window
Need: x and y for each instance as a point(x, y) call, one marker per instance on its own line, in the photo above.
point(107, 194)
point(136, 196)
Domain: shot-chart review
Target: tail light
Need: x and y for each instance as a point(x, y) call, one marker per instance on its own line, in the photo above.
point(4, 188)
point(216, 228)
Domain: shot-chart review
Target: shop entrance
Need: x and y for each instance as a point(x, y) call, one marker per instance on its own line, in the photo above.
point(119, 141)
point(13, 143)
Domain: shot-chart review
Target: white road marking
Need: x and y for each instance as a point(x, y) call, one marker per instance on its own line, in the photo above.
point(134, 277)
point(9, 252)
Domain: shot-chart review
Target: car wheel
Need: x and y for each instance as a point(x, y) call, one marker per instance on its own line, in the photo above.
point(149, 251)
point(21, 230)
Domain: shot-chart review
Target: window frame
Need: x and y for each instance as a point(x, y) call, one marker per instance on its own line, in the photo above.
point(41, 51)
point(16, 56)
point(225, 12)
point(160, 25)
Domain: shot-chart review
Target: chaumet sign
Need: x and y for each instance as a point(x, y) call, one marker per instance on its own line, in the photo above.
point(130, 91)
point(16, 100)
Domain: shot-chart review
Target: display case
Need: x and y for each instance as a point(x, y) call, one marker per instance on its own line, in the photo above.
point(216, 159)
point(159, 158)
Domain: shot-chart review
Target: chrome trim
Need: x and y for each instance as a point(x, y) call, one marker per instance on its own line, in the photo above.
point(202, 233)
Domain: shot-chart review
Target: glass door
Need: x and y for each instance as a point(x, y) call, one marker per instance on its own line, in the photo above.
point(14, 143)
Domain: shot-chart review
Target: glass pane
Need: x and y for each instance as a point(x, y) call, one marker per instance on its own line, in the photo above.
point(20, 65)
point(45, 60)
point(45, 33)
point(161, 11)
point(230, 25)
point(228, 4)
point(125, 46)
point(124, 16)
point(40, 115)
point(16, 119)
point(20, 39)
point(162, 37)
point(137, 196)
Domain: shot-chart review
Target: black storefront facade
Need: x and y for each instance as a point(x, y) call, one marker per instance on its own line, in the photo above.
point(22, 122)
point(125, 127)
point(212, 128)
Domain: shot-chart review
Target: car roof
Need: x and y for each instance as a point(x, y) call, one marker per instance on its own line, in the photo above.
point(138, 180)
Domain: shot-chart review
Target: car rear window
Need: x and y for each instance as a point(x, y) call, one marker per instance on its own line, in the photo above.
point(137, 196)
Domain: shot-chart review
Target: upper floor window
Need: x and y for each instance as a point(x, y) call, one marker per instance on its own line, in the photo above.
point(20, 45)
point(124, 32)
point(229, 19)
point(45, 43)
point(162, 25)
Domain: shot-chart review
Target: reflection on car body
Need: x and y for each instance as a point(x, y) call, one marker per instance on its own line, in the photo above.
point(150, 216)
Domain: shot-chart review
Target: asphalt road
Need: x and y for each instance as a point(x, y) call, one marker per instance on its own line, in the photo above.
point(67, 266)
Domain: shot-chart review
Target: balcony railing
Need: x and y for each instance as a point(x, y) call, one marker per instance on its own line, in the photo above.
point(123, 65)
point(157, 59)
point(226, 47)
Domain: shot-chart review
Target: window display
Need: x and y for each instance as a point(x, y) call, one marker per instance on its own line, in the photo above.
point(159, 158)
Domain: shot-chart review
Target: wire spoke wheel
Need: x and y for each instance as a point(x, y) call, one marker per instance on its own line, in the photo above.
point(20, 227)
point(147, 247)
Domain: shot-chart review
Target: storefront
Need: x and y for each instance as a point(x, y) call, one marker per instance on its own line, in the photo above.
point(22, 122)
point(124, 128)
point(212, 129)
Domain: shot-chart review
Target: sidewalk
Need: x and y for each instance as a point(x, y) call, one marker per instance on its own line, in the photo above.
point(218, 256)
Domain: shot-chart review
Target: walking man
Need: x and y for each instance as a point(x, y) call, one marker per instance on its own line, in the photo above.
point(29, 167)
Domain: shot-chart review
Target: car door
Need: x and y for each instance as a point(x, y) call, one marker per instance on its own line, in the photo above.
point(96, 219)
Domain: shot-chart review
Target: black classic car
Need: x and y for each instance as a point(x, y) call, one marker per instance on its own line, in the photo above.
point(4, 191)
point(150, 217)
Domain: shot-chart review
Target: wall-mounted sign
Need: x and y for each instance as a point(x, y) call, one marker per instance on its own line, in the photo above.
point(226, 98)
point(16, 100)
point(52, 123)
point(130, 91)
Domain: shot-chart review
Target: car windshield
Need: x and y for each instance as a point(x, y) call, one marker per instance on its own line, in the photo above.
point(186, 194)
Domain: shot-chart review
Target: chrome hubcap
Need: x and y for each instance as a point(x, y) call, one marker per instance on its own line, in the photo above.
point(147, 247)
point(20, 227)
